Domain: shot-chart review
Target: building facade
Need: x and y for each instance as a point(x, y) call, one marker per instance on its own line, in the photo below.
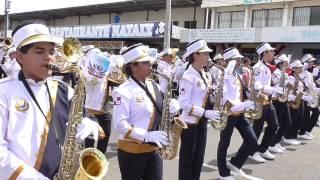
point(290, 25)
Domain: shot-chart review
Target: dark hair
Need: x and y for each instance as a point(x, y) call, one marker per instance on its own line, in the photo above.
point(24, 49)
point(190, 59)
point(245, 60)
point(126, 69)
point(279, 64)
point(261, 55)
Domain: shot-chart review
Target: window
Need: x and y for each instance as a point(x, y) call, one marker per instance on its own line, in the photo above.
point(305, 16)
point(301, 16)
point(190, 24)
point(267, 18)
point(230, 19)
point(176, 23)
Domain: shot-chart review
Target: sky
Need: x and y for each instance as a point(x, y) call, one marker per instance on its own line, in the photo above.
point(18, 6)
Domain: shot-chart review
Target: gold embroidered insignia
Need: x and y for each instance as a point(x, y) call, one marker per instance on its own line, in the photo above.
point(21, 105)
point(139, 99)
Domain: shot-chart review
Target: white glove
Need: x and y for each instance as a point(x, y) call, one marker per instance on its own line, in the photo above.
point(158, 137)
point(213, 115)
point(238, 107)
point(31, 173)
point(86, 128)
point(302, 76)
point(248, 105)
point(291, 97)
point(268, 89)
point(278, 90)
point(307, 98)
point(174, 106)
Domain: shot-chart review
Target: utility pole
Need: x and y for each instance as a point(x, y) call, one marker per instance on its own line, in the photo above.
point(167, 32)
point(7, 5)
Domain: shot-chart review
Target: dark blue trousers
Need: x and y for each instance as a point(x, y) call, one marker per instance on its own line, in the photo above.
point(249, 145)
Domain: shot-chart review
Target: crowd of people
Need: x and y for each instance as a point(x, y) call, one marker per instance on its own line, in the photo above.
point(121, 93)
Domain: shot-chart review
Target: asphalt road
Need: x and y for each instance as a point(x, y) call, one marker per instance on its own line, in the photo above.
point(297, 163)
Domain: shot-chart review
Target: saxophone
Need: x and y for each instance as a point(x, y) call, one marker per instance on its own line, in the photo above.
point(174, 128)
point(284, 96)
point(92, 163)
point(256, 97)
point(296, 104)
point(225, 109)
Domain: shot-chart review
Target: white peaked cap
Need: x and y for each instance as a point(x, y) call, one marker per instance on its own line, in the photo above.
point(137, 53)
point(32, 33)
point(282, 58)
point(197, 46)
point(231, 53)
point(307, 58)
point(264, 47)
point(295, 63)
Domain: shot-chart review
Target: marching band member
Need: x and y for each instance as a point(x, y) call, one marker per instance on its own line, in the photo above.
point(246, 72)
point(280, 79)
point(233, 94)
point(11, 66)
point(194, 89)
point(263, 84)
point(311, 114)
point(96, 69)
point(296, 114)
point(136, 116)
point(215, 71)
point(166, 67)
point(34, 110)
point(2, 60)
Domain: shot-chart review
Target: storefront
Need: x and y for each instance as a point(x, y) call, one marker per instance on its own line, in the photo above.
point(112, 37)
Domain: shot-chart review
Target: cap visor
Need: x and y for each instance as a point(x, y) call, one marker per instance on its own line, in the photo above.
point(146, 59)
point(206, 50)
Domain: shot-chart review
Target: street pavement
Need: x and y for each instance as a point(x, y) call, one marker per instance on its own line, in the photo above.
point(297, 163)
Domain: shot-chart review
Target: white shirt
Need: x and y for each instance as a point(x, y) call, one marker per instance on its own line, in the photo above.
point(11, 67)
point(232, 89)
point(21, 129)
point(166, 69)
point(133, 111)
point(193, 94)
point(262, 76)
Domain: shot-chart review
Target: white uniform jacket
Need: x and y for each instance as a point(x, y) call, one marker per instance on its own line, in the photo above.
point(166, 69)
point(23, 128)
point(193, 94)
point(232, 89)
point(133, 115)
point(262, 76)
